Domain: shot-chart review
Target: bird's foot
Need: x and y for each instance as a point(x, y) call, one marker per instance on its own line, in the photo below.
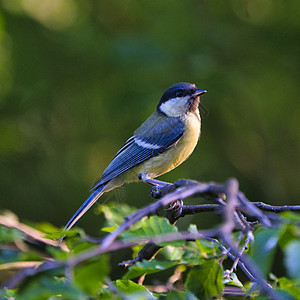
point(176, 208)
point(155, 191)
point(159, 191)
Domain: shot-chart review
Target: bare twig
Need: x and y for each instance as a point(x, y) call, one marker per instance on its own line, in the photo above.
point(194, 209)
point(19, 265)
point(265, 288)
point(31, 271)
point(276, 209)
point(240, 264)
point(237, 259)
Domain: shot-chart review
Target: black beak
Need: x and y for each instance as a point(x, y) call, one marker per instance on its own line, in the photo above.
point(198, 93)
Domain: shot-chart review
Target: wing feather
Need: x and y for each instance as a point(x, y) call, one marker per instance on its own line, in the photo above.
point(154, 136)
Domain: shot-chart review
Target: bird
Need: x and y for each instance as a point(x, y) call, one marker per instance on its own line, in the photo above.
point(165, 140)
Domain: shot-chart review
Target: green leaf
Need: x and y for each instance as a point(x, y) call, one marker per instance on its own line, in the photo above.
point(290, 286)
point(50, 231)
point(115, 213)
point(46, 227)
point(289, 232)
point(30, 256)
point(48, 286)
point(206, 280)
point(106, 294)
point(231, 279)
point(135, 290)
point(180, 295)
point(83, 246)
point(7, 294)
point(109, 229)
point(148, 267)
point(261, 297)
point(136, 249)
point(193, 228)
point(290, 216)
point(173, 253)
point(153, 227)
point(207, 248)
point(58, 254)
point(91, 275)
point(71, 236)
point(194, 256)
point(263, 250)
point(292, 259)
point(10, 235)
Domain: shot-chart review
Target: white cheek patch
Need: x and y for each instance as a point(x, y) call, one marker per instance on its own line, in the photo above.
point(175, 107)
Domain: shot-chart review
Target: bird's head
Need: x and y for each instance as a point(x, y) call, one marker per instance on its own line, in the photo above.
point(180, 99)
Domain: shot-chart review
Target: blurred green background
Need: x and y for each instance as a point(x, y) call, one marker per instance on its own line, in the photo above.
point(78, 77)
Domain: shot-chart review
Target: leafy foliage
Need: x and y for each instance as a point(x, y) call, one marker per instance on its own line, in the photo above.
point(91, 284)
point(153, 227)
point(186, 269)
point(149, 267)
point(205, 281)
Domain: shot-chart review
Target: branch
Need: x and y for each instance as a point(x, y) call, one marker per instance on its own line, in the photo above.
point(230, 202)
point(115, 246)
point(276, 209)
point(32, 235)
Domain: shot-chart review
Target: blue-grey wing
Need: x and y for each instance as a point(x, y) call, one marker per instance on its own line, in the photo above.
point(154, 136)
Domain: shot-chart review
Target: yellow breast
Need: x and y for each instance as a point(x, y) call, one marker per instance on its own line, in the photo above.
point(174, 156)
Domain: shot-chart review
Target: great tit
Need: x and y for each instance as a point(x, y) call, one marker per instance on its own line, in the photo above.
point(165, 140)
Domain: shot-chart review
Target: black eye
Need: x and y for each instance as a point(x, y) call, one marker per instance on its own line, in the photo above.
point(179, 93)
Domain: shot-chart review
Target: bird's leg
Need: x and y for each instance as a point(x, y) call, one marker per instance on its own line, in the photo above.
point(144, 177)
point(157, 184)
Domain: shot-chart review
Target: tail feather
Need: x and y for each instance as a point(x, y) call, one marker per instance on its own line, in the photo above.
point(84, 207)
